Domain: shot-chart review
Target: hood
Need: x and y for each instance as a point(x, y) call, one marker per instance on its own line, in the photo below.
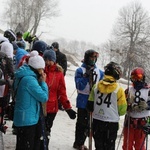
point(24, 70)
point(107, 85)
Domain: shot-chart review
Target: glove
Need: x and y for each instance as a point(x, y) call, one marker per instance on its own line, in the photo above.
point(143, 105)
point(89, 71)
point(140, 107)
point(135, 107)
point(90, 106)
point(71, 113)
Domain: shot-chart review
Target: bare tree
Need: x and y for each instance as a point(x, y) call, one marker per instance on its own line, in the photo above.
point(29, 13)
point(132, 30)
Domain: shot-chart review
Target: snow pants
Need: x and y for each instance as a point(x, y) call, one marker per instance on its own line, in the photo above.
point(28, 137)
point(134, 136)
point(82, 126)
point(104, 134)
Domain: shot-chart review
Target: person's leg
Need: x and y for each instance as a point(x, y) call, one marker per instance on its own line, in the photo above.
point(128, 138)
point(111, 135)
point(99, 134)
point(81, 128)
point(139, 139)
point(25, 137)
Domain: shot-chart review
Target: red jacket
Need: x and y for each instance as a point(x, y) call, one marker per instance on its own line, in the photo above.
point(57, 89)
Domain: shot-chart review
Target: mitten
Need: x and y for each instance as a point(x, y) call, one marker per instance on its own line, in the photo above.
point(90, 106)
point(71, 113)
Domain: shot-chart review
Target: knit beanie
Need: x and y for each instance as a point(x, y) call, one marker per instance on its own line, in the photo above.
point(50, 55)
point(36, 61)
point(7, 48)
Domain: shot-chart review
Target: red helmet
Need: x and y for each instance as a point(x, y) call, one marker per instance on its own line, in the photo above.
point(137, 74)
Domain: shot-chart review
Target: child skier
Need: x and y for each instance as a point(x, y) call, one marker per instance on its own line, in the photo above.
point(138, 111)
point(107, 102)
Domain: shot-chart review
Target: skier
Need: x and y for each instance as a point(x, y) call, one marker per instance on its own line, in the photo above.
point(107, 102)
point(61, 59)
point(30, 39)
point(57, 89)
point(138, 111)
point(19, 39)
point(82, 81)
point(31, 90)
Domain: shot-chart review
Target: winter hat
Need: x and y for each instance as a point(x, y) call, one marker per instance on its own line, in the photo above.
point(36, 61)
point(3, 39)
point(50, 55)
point(7, 48)
point(55, 45)
point(40, 46)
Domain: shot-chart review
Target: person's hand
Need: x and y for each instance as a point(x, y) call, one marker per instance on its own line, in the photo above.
point(88, 72)
point(143, 105)
point(71, 113)
point(43, 75)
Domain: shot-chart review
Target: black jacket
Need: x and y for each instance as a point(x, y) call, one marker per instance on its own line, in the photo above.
point(61, 59)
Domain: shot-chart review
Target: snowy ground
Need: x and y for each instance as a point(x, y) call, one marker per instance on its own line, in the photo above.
point(62, 136)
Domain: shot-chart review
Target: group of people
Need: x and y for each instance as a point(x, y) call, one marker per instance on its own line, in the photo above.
point(39, 87)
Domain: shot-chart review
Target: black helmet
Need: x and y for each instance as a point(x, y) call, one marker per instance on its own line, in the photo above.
point(39, 46)
point(113, 69)
point(55, 45)
point(10, 35)
point(19, 33)
point(90, 53)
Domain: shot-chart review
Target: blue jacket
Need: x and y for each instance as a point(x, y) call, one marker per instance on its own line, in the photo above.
point(30, 93)
point(82, 85)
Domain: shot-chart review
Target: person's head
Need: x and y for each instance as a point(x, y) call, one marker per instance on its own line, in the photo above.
point(55, 45)
point(90, 57)
point(137, 77)
point(36, 62)
point(49, 57)
point(39, 46)
point(113, 69)
point(15, 47)
point(19, 35)
point(21, 44)
point(10, 35)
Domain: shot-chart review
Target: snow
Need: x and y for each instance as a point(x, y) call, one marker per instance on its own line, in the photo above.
point(63, 130)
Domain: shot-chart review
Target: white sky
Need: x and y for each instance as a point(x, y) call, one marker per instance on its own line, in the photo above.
point(88, 20)
point(84, 20)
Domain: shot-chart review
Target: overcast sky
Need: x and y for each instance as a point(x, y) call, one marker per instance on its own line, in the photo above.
point(85, 20)
point(88, 20)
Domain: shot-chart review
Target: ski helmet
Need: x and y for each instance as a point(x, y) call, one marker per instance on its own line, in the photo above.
point(55, 45)
point(90, 53)
point(113, 69)
point(10, 35)
point(19, 34)
point(137, 74)
point(39, 46)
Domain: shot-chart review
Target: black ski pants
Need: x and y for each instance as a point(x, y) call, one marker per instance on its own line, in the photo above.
point(82, 126)
point(104, 134)
point(28, 137)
